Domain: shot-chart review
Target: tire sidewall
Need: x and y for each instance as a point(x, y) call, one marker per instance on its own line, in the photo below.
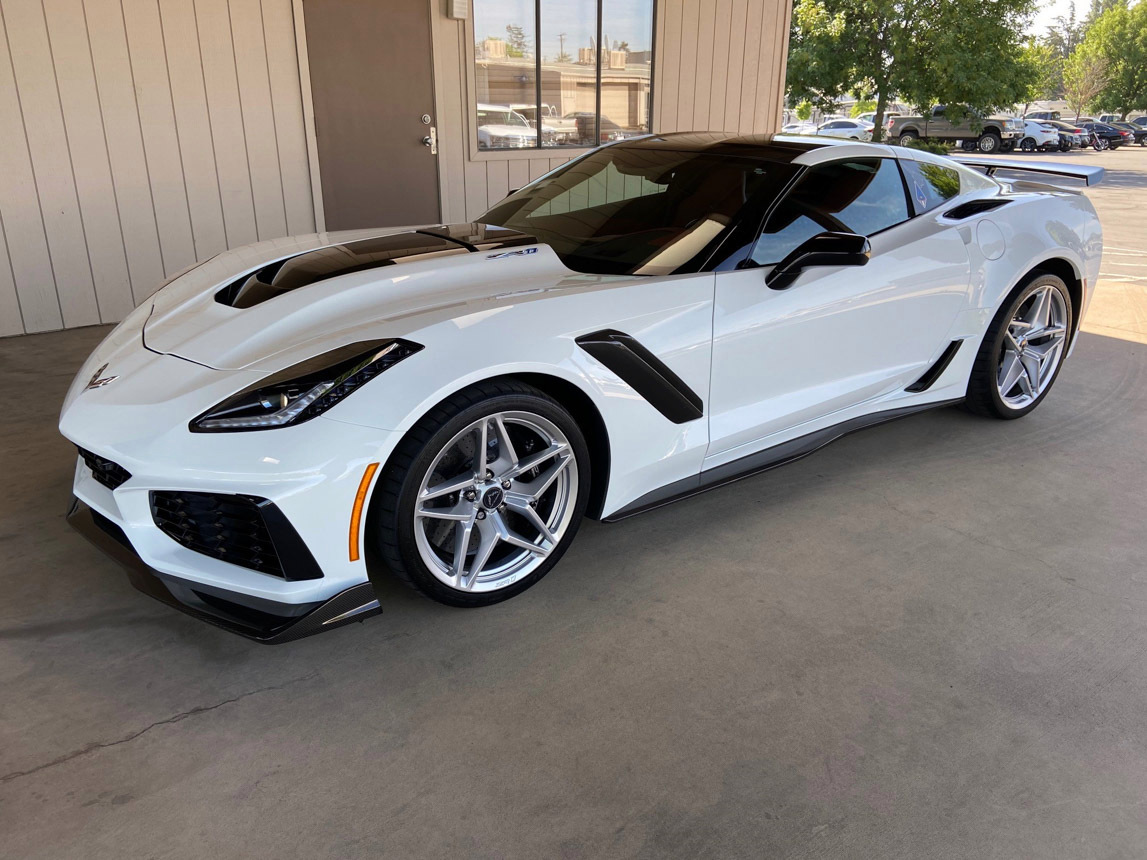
point(404, 525)
point(992, 141)
point(999, 330)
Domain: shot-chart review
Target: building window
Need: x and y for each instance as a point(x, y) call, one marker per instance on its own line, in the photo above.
point(542, 80)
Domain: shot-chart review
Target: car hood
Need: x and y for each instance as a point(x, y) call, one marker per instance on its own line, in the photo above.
point(250, 308)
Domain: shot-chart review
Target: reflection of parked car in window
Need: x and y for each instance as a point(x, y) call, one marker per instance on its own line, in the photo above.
point(608, 131)
point(502, 127)
point(555, 129)
point(850, 128)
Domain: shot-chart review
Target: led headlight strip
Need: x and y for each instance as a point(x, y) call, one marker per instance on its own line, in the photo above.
point(305, 390)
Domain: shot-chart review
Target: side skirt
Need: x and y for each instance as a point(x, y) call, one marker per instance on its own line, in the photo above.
point(761, 461)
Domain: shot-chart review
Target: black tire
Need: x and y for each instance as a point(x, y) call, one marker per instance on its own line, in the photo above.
point(1064, 146)
point(1005, 146)
point(907, 137)
point(1028, 144)
point(989, 142)
point(983, 397)
point(391, 521)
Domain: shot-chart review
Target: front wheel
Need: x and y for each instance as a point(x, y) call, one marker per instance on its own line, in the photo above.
point(989, 142)
point(483, 496)
point(1022, 352)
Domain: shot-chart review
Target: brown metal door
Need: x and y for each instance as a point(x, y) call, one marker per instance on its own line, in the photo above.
point(372, 87)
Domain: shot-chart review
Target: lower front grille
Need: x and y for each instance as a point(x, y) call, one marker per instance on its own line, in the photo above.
point(111, 475)
point(245, 530)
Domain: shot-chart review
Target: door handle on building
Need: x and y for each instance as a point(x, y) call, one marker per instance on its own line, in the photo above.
point(431, 140)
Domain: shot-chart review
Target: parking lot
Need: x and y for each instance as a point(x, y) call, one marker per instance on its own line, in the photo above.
point(927, 640)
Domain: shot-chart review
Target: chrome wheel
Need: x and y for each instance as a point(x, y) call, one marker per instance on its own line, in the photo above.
point(496, 501)
point(1032, 348)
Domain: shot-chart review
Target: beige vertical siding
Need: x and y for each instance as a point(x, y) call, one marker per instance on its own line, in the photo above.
point(719, 65)
point(140, 136)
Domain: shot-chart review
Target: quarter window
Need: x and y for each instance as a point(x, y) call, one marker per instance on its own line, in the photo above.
point(861, 196)
point(541, 79)
point(929, 184)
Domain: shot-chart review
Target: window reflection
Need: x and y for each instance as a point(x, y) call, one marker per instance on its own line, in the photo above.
point(626, 61)
point(556, 55)
point(504, 73)
point(569, 71)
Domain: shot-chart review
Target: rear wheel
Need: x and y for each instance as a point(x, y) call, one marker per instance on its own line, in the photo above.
point(1022, 352)
point(907, 137)
point(1028, 144)
point(483, 496)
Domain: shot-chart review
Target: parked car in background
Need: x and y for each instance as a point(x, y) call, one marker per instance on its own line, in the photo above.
point(1113, 136)
point(1138, 120)
point(1109, 118)
point(989, 132)
point(804, 127)
point(1039, 135)
point(870, 117)
point(1043, 115)
point(1138, 132)
point(555, 129)
point(849, 128)
point(608, 131)
point(502, 127)
point(1070, 134)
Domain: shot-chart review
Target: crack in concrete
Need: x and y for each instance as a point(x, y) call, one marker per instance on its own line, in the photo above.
point(202, 709)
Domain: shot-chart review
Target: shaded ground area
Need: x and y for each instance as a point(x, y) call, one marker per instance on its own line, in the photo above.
point(928, 640)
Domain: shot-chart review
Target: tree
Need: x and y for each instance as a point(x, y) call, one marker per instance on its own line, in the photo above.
point(1119, 36)
point(1084, 77)
point(1046, 72)
point(862, 106)
point(804, 110)
point(517, 44)
point(962, 53)
point(1064, 34)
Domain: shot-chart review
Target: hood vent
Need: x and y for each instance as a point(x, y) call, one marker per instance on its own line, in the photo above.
point(332, 261)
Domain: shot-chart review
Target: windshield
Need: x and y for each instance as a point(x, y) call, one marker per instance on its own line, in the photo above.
point(640, 211)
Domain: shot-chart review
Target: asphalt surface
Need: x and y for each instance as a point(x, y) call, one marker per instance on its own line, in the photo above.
point(927, 640)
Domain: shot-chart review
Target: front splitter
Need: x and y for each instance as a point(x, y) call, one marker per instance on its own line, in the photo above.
point(261, 620)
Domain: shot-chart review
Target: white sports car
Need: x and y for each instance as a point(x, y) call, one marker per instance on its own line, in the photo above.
point(283, 424)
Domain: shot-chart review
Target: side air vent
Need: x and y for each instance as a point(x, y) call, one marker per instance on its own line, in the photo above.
point(975, 207)
point(111, 475)
point(648, 375)
point(244, 530)
point(939, 366)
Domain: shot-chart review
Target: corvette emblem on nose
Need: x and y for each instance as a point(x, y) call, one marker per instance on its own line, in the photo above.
point(99, 382)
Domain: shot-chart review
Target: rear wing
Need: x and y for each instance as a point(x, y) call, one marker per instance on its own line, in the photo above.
point(1085, 173)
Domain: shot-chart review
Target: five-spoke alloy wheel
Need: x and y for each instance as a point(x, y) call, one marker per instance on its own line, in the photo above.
point(483, 496)
point(1023, 351)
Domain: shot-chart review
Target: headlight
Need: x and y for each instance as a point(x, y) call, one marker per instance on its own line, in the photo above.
point(304, 390)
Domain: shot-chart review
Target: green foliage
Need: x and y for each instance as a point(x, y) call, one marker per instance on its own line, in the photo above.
point(1045, 76)
point(862, 106)
point(933, 146)
point(1119, 36)
point(804, 110)
point(1085, 76)
point(955, 52)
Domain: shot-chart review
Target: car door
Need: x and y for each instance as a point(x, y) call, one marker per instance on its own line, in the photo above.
point(839, 336)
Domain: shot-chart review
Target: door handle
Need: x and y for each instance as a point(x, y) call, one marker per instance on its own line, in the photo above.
point(431, 140)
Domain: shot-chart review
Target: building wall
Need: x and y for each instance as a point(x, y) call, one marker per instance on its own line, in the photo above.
point(143, 135)
point(718, 65)
point(139, 137)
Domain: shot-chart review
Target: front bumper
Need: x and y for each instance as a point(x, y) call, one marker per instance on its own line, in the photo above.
point(262, 620)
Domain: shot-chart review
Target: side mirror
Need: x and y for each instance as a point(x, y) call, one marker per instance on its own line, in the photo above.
point(824, 249)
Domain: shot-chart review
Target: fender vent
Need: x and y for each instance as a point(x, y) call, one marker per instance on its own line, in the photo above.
point(975, 207)
point(933, 373)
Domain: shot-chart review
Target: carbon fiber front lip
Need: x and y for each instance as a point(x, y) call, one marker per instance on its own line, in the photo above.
point(266, 622)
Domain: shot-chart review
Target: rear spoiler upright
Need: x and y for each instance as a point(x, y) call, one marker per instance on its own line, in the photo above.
point(1088, 174)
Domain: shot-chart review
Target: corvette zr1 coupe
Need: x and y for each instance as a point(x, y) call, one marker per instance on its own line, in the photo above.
point(280, 427)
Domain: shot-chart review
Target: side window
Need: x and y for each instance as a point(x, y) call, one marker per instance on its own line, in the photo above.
point(861, 196)
point(929, 184)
